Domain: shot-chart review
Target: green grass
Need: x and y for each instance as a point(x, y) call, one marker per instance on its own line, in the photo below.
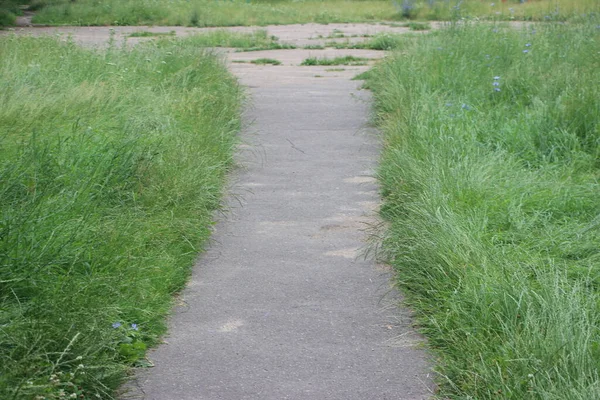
point(419, 26)
point(264, 61)
point(381, 41)
point(265, 12)
point(336, 33)
point(212, 13)
point(255, 41)
point(345, 60)
point(151, 34)
point(111, 165)
point(491, 181)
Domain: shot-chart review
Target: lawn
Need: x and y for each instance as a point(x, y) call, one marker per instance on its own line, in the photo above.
point(111, 167)
point(491, 179)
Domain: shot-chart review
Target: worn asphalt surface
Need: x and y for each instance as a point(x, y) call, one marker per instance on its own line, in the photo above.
point(283, 305)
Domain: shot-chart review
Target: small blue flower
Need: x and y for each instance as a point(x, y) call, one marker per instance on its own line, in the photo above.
point(116, 325)
point(496, 83)
point(465, 107)
point(496, 89)
point(496, 78)
point(526, 51)
point(134, 327)
point(527, 44)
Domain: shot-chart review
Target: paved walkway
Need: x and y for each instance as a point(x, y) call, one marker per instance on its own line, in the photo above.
point(282, 306)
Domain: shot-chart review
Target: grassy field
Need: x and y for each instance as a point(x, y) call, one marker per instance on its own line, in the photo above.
point(213, 13)
point(111, 164)
point(265, 12)
point(491, 181)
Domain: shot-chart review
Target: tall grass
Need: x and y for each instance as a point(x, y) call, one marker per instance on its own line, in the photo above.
point(213, 13)
point(110, 166)
point(265, 12)
point(490, 176)
point(520, 10)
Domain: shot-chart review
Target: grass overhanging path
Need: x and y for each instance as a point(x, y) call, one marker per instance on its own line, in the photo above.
point(112, 163)
point(491, 184)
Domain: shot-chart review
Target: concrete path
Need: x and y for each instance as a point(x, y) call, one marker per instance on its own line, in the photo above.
point(282, 305)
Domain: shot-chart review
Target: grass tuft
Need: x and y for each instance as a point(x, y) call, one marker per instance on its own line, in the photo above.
point(382, 41)
point(151, 34)
point(264, 61)
point(257, 40)
point(345, 60)
point(419, 26)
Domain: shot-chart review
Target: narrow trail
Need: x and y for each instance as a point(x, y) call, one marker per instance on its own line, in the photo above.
point(282, 305)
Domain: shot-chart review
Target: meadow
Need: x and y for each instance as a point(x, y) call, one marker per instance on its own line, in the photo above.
point(111, 168)
point(265, 12)
point(491, 183)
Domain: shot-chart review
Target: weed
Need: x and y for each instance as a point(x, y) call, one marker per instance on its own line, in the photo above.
point(269, 46)
point(419, 26)
point(263, 61)
point(346, 60)
point(336, 34)
point(313, 47)
point(195, 18)
point(151, 34)
point(255, 41)
point(382, 41)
